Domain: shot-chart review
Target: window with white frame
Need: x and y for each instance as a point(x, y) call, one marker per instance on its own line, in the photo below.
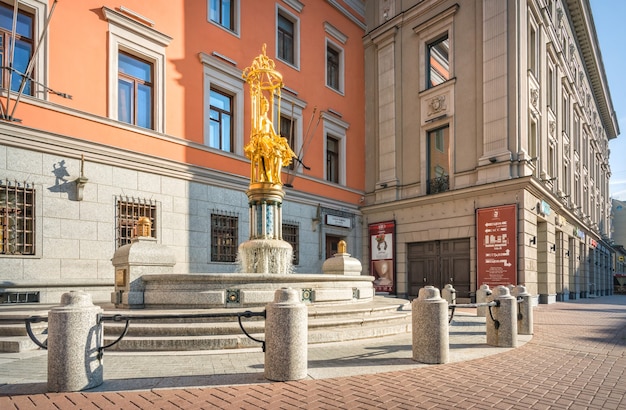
point(565, 115)
point(223, 103)
point(533, 48)
point(220, 120)
point(287, 37)
point(335, 148)
point(290, 125)
point(552, 87)
point(334, 66)
point(31, 17)
point(135, 91)
point(225, 13)
point(135, 49)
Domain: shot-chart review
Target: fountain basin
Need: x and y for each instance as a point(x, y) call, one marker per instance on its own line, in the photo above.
point(242, 290)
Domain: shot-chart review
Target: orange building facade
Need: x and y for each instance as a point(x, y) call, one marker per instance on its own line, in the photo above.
point(112, 111)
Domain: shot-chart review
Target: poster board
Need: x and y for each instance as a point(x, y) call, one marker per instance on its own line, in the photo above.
point(496, 243)
point(382, 256)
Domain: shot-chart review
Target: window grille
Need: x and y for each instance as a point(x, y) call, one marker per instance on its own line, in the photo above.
point(17, 219)
point(291, 234)
point(224, 237)
point(128, 212)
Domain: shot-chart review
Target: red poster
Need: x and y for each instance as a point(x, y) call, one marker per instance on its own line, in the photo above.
point(496, 245)
point(383, 255)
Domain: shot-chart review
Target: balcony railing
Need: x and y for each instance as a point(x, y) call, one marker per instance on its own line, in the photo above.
point(440, 184)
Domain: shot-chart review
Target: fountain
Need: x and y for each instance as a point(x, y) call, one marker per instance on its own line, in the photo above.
point(144, 269)
point(265, 252)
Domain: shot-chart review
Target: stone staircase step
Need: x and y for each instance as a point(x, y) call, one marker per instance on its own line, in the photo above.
point(327, 323)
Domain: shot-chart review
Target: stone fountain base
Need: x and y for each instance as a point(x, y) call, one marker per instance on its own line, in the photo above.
point(243, 290)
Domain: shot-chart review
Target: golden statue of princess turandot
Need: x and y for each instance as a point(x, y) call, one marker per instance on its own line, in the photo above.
point(268, 151)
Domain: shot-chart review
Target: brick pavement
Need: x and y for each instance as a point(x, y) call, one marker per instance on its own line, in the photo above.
point(574, 361)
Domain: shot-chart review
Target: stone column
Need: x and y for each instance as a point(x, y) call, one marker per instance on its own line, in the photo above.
point(525, 311)
point(502, 329)
point(74, 336)
point(286, 333)
point(431, 338)
point(482, 296)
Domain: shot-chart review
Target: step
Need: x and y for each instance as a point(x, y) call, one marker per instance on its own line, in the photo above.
point(327, 323)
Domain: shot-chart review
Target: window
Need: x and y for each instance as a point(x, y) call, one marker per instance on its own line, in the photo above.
point(334, 67)
point(291, 234)
point(533, 50)
point(438, 160)
point(17, 219)
point(287, 42)
point(136, 71)
point(23, 52)
point(220, 121)
point(332, 159)
point(287, 132)
point(565, 118)
point(223, 13)
point(335, 146)
point(551, 87)
point(128, 213)
point(438, 61)
point(224, 238)
point(135, 91)
point(223, 100)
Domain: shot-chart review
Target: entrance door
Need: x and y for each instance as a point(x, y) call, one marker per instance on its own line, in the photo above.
point(438, 263)
point(332, 243)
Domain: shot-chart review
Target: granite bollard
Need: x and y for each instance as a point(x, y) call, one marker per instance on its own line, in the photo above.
point(502, 328)
point(482, 295)
point(74, 337)
point(449, 294)
point(525, 309)
point(286, 326)
point(431, 338)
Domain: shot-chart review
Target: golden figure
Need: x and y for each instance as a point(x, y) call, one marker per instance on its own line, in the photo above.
point(268, 151)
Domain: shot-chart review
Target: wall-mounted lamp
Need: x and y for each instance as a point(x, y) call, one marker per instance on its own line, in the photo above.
point(81, 181)
point(567, 252)
point(553, 247)
point(550, 179)
point(533, 240)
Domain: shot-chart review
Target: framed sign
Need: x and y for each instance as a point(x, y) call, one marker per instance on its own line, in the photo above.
point(382, 255)
point(496, 245)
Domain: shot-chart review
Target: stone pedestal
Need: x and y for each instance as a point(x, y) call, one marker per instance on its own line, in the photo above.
point(525, 311)
point(482, 296)
point(431, 339)
point(342, 263)
point(142, 256)
point(502, 329)
point(286, 333)
point(74, 337)
point(448, 293)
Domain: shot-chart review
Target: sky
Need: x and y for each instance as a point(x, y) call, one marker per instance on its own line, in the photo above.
point(610, 20)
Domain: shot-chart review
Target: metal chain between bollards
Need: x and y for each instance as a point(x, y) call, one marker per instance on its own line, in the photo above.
point(29, 330)
point(128, 318)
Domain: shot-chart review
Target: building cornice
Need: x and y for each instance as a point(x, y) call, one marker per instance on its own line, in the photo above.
point(582, 20)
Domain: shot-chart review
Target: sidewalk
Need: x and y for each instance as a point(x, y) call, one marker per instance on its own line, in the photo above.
point(575, 360)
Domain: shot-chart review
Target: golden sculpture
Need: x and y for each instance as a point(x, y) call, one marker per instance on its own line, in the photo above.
point(268, 151)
